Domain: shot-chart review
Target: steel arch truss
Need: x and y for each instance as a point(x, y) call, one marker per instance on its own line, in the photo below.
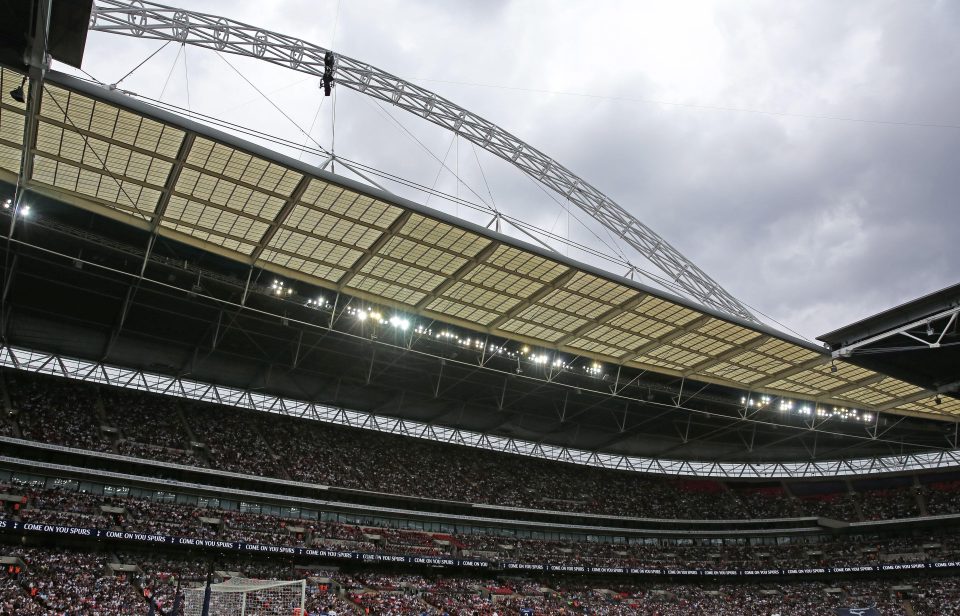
point(98, 372)
point(155, 21)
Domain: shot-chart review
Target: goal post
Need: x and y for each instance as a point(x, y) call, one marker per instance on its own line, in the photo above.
point(248, 597)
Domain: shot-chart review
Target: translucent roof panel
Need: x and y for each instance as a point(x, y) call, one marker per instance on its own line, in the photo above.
point(11, 123)
point(103, 151)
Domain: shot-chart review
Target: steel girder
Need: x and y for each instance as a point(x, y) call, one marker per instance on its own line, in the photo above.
point(99, 372)
point(148, 20)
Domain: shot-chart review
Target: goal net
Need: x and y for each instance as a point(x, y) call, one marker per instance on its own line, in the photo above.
point(248, 597)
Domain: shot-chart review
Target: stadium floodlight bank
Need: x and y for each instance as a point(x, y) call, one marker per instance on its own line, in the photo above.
point(248, 597)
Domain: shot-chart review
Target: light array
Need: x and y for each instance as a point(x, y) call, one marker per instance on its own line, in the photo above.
point(376, 317)
point(277, 288)
point(806, 410)
point(24, 211)
point(318, 303)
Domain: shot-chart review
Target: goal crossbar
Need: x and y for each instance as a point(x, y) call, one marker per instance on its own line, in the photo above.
point(248, 597)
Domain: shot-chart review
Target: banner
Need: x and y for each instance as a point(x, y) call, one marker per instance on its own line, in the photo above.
point(856, 611)
point(449, 561)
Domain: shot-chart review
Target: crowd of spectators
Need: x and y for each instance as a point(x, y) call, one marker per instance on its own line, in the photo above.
point(56, 411)
point(54, 582)
point(942, 498)
point(144, 418)
point(233, 439)
point(160, 427)
point(890, 504)
point(69, 507)
point(15, 599)
point(74, 583)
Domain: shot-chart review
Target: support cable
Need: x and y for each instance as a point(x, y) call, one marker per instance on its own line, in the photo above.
point(440, 170)
point(274, 105)
point(386, 175)
point(170, 74)
point(312, 125)
point(142, 62)
point(149, 20)
point(186, 74)
point(424, 147)
point(333, 133)
point(483, 175)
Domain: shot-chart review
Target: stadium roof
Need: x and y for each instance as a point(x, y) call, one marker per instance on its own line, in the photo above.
point(113, 155)
point(918, 341)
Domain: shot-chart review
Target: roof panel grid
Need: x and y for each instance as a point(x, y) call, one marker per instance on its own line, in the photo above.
point(666, 311)
point(642, 325)
point(319, 224)
point(313, 248)
point(243, 168)
point(461, 310)
point(12, 118)
point(231, 244)
point(658, 363)
point(321, 271)
point(734, 372)
point(444, 236)
point(897, 388)
point(107, 122)
point(599, 289)
point(124, 196)
point(350, 204)
point(389, 270)
point(865, 395)
point(526, 264)
point(228, 195)
point(794, 386)
point(946, 405)
point(231, 198)
point(573, 303)
point(424, 256)
point(503, 281)
point(591, 346)
point(10, 158)
point(824, 382)
point(704, 345)
point(481, 297)
point(559, 320)
point(396, 293)
point(727, 332)
point(101, 156)
point(532, 329)
point(624, 340)
point(679, 357)
point(202, 221)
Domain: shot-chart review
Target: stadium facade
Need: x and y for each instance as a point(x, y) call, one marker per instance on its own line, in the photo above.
point(220, 363)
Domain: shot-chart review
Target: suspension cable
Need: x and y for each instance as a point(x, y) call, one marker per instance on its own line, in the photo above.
point(170, 74)
point(142, 62)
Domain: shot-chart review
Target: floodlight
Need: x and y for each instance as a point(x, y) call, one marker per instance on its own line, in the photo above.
point(17, 93)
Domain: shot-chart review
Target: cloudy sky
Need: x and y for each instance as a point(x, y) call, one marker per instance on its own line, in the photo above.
point(804, 154)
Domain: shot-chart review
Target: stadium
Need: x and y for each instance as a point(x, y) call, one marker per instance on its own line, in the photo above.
point(237, 382)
